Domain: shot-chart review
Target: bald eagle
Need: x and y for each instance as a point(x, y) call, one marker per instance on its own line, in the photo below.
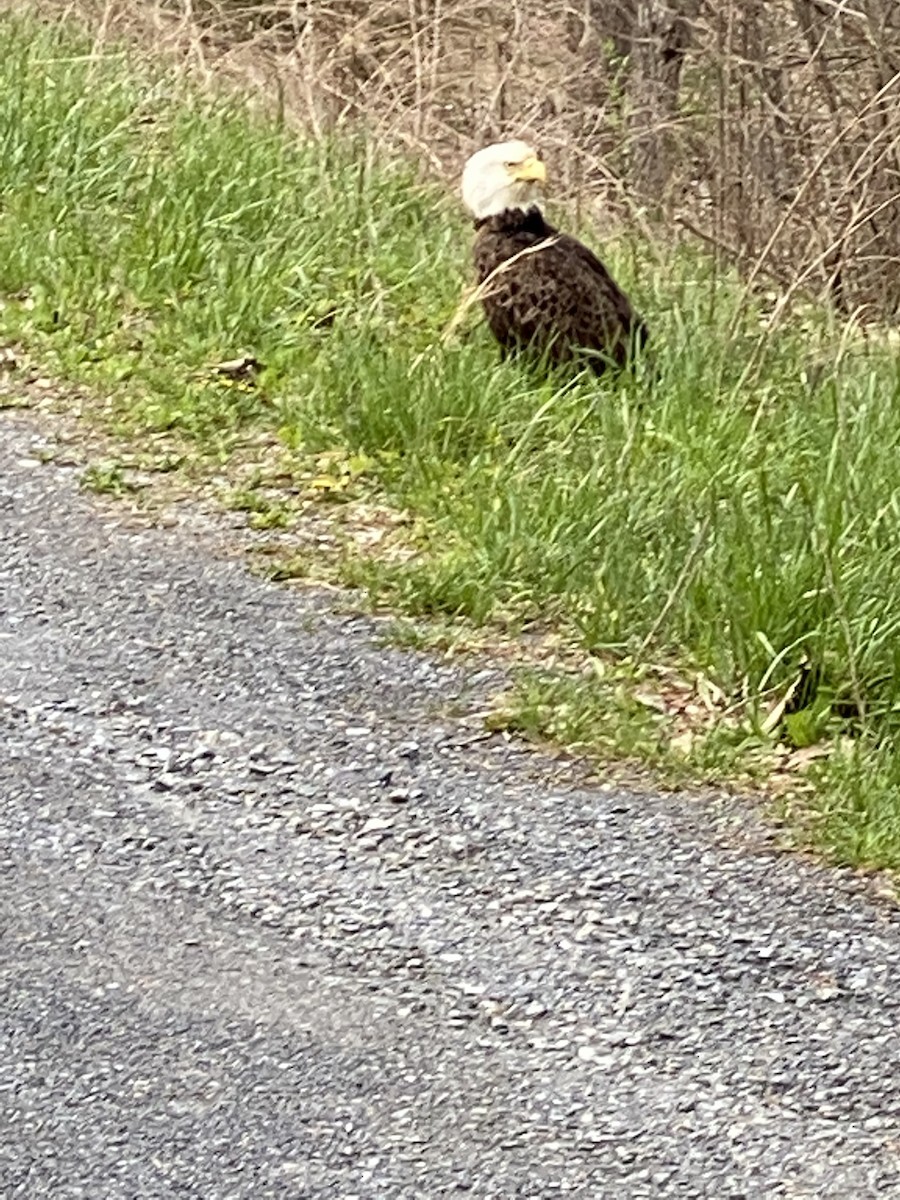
point(541, 290)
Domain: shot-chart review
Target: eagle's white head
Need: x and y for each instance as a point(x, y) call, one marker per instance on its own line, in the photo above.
point(505, 175)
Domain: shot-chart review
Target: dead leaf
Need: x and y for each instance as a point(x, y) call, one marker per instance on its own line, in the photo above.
point(799, 760)
point(246, 367)
point(776, 712)
point(683, 744)
point(651, 700)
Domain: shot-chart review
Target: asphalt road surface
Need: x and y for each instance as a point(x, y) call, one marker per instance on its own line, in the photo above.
point(276, 922)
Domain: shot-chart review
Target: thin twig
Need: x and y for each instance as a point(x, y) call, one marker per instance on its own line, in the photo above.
point(473, 295)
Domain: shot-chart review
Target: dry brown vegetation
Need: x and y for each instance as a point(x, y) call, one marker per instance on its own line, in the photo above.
point(771, 131)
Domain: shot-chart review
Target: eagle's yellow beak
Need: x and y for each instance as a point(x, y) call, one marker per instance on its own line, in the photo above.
point(530, 170)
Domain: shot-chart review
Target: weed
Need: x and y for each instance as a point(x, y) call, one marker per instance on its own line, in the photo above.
point(106, 478)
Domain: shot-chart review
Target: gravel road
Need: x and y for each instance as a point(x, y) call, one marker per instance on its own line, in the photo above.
point(276, 922)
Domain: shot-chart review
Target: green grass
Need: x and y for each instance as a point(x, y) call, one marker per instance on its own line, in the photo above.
point(737, 515)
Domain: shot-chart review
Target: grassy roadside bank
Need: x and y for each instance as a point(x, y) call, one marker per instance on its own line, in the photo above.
point(717, 551)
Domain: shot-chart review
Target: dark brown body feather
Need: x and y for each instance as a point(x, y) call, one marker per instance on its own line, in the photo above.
point(556, 298)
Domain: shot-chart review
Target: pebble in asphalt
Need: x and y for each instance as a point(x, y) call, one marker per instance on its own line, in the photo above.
point(274, 924)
